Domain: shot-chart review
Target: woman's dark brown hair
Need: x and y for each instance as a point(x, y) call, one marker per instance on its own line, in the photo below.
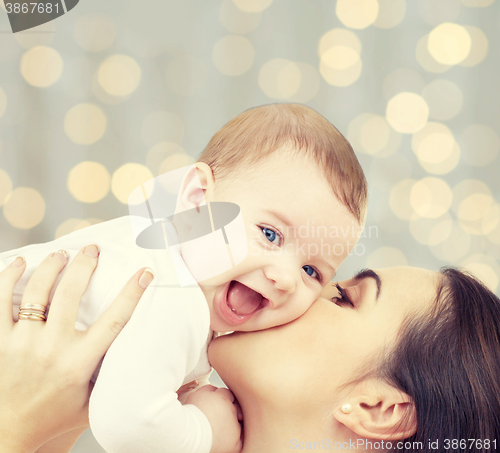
point(449, 363)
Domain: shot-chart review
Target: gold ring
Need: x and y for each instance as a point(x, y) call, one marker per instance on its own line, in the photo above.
point(31, 315)
point(34, 307)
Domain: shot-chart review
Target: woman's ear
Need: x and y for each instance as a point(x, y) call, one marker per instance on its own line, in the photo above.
point(376, 410)
point(196, 187)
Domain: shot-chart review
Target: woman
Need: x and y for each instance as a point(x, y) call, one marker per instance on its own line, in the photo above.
point(401, 359)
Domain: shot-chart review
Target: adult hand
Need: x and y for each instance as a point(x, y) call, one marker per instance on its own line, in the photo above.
point(46, 366)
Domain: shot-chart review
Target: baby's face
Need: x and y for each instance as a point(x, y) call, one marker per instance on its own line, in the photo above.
point(298, 235)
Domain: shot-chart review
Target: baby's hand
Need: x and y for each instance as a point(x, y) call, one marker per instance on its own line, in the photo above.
point(220, 407)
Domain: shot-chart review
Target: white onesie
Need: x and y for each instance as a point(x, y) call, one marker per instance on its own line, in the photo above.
point(134, 406)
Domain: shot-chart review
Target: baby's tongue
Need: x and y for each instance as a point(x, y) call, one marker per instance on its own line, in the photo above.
point(243, 299)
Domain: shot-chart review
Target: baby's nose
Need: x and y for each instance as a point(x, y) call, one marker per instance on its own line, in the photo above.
point(282, 280)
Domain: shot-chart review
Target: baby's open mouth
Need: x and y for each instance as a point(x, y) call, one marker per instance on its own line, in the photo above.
point(243, 300)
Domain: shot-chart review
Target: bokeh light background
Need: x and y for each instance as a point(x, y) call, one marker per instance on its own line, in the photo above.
point(119, 91)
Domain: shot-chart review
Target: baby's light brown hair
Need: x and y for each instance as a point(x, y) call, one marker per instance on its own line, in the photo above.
point(259, 131)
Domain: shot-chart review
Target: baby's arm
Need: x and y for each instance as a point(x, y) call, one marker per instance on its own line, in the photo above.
point(223, 412)
point(134, 406)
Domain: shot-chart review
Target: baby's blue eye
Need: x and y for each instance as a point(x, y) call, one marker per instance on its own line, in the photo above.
point(271, 235)
point(311, 271)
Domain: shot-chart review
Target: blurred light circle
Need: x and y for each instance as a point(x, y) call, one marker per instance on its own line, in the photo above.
point(70, 225)
point(385, 172)
point(431, 231)
point(479, 47)
point(119, 75)
point(437, 12)
point(294, 81)
point(175, 161)
point(127, 178)
point(186, 75)
point(375, 135)
point(309, 83)
point(475, 207)
point(339, 51)
point(430, 197)
point(402, 79)
point(466, 188)
point(5, 186)
point(390, 13)
point(444, 99)
point(158, 153)
point(341, 77)
point(41, 66)
point(477, 3)
point(478, 214)
point(357, 13)
point(339, 37)
point(480, 145)
point(41, 35)
point(237, 21)
point(103, 95)
point(386, 257)
point(399, 199)
point(95, 32)
point(449, 43)
point(372, 135)
point(24, 208)
point(485, 268)
point(233, 55)
point(279, 78)
point(339, 57)
point(253, 6)
point(89, 182)
point(3, 102)
point(494, 235)
point(407, 112)
point(85, 124)
point(425, 59)
point(436, 148)
point(455, 247)
point(162, 126)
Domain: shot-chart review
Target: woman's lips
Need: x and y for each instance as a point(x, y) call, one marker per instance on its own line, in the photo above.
point(238, 303)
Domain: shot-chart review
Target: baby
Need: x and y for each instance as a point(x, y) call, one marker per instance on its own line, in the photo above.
point(302, 197)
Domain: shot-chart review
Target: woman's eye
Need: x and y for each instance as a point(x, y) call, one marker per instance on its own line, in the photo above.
point(309, 270)
point(272, 236)
point(344, 298)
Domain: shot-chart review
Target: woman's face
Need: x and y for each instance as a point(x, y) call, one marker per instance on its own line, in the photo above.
point(303, 362)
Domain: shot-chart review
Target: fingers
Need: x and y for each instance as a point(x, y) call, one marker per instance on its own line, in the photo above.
point(41, 282)
point(66, 301)
point(207, 388)
point(227, 394)
point(104, 331)
point(8, 279)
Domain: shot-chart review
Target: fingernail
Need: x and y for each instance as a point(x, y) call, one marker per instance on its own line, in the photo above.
point(61, 255)
point(92, 251)
point(146, 278)
point(18, 262)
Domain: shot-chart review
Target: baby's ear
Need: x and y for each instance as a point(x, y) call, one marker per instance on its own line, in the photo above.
point(376, 410)
point(197, 185)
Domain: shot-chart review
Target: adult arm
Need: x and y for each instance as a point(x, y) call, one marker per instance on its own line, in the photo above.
point(47, 366)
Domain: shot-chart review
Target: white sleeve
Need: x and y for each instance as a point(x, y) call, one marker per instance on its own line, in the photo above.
point(134, 406)
point(114, 239)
